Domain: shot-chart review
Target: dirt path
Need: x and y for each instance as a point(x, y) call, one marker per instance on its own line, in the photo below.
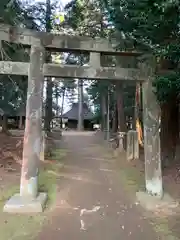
point(91, 202)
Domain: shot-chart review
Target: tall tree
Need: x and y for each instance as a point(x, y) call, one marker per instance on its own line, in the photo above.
point(49, 87)
point(154, 27)
point(13, 88)
point(85, 18)
point(90, 18)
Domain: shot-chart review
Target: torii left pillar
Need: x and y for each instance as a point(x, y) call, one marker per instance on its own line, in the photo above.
point(29, 200)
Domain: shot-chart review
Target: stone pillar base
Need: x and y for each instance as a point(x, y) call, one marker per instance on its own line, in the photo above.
point(18, 204)
point(132, 147)
point(154, 203)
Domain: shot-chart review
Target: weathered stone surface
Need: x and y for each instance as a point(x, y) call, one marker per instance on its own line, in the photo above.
point(69, 71)
point(121, 136)
point(60, 42)
point(121, 148)
point(130, 147)
point(18, 204)
point(154, 203)
point(95, 60)
point(33, 130)
point(151, 120)
point(136, 145)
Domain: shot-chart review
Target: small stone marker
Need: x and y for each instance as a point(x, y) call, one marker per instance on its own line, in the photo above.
point(132, 145)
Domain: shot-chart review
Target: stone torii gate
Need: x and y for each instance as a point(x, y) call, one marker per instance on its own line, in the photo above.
point(29, 200)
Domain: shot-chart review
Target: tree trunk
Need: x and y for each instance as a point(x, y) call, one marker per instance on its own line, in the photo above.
point(49, 89)
point(114, 118)
point(80, 105)
point(103, 112)
point(107, 116)
point(5, 124)
point(169, 131)
point(120, 108)
point(62, 106)
point(20, 122)
point(57, 98)
point(48, 112)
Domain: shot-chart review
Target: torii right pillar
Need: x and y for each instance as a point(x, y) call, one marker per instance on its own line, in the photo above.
point(153, 197)
point(152, 149)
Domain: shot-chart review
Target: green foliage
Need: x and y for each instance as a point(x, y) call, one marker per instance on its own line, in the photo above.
point(153, 26)
point(86, 18)
point(13, 88)
point(171, 52)
point(10, 11)
point(36, 14)
point(91, 19)
point(167, 86)
point(12, 94)
point(74, 15)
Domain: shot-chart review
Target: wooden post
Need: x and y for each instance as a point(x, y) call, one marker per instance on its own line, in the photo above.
point(32, 135)
point(152, 150)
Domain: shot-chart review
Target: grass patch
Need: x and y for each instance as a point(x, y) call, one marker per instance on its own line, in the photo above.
point(7, 193)
point(47, 180)
point(59, 154)
point(132, 178)
point(27, 227)
point(161, 226)
point(18, 226)
point(48, 183)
